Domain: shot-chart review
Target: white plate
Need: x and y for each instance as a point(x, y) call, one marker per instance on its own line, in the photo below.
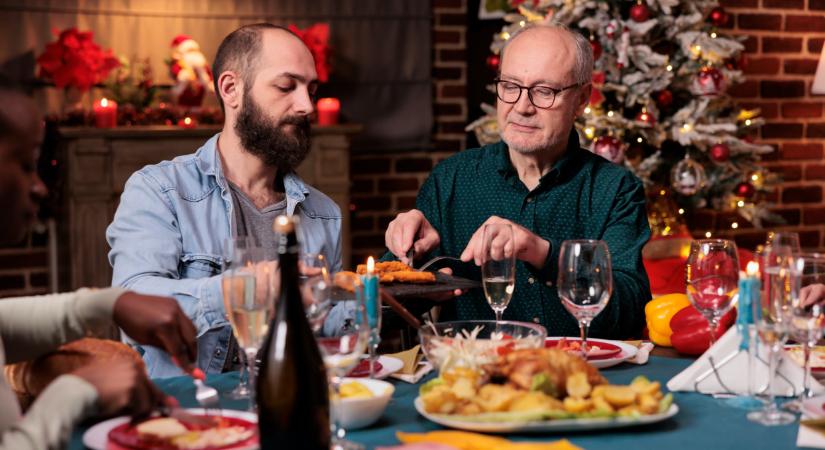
point(389, 366)
point(545, 425)
point(628, 352)
point(97, 436)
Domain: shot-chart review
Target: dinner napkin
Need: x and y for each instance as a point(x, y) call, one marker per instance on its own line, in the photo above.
point(643, 354)
point(811, 434)
point(462, 440)
point(735, 373)
point(414, 369)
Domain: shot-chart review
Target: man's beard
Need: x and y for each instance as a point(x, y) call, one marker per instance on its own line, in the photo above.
point(275, 146)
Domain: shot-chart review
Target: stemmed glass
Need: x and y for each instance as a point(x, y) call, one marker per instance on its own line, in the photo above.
point(789, 239)
point(773, 324)
point(712, 277)
point(341, 354)
point(316, 288)
point(585, 281)
point(249, 286)
point(498, 270)
point(807, 316)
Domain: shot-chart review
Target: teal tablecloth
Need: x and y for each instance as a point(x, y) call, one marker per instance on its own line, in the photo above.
point(702, 423)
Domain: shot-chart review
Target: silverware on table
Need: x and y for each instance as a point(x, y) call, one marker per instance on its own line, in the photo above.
point(206, 396)
point(435, 260)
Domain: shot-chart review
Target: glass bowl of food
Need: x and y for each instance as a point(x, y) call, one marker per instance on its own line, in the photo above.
point(476, 343)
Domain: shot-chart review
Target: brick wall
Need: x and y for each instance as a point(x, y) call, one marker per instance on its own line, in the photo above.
point(384, 184)
point(784, 44)
point(24, 267)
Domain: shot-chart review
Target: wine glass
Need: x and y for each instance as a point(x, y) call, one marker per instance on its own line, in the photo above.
point(585, 281)
point(788, 239)
point(773, 325)
point(249, 287)
point(712, 277)
point(341, 354)
point(807, 315)
point(316, 288)
point(498, 270)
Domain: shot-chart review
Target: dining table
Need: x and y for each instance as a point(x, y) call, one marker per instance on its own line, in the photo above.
point(703, 422)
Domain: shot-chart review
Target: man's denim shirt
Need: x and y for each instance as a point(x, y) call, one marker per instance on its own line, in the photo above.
point(168, 236)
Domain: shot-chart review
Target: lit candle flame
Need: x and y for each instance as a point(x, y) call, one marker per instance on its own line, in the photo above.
point(104, 103)
point(370, 265)
point(752, 269)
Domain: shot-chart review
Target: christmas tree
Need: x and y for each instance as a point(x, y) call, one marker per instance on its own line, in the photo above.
point(659, 103)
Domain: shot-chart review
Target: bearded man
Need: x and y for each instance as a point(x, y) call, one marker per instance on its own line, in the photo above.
point(170, 231)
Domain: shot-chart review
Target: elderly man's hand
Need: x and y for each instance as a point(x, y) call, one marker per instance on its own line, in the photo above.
point(122, 387)
point(410, 229)
point(527, 246)
point(160, 322)
point(811, 294)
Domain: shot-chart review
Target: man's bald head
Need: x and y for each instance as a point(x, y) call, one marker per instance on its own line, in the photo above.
point(240, 51)
point(553, 34)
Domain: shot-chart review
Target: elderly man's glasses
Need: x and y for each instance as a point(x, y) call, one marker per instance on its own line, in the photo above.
point(540, 96)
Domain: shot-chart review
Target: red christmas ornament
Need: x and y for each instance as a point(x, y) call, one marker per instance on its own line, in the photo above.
point(639, 12)
point(709, 82)
point(609, 148)
point(718, 16)
point(492, 62)
point(664, 98)
point(646, 117)
point(720, 153)
point(745, 190)
point(597, 48)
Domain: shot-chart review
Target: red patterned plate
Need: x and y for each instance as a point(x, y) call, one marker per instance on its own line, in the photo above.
point(125, 437)
point(362, 370)
point(597, 350)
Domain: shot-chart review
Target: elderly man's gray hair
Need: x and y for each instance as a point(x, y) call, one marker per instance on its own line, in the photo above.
point(583, 70)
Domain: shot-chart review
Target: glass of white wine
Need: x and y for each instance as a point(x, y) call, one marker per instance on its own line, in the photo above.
point(585, 281)
point(249, 287)
point(498, 269)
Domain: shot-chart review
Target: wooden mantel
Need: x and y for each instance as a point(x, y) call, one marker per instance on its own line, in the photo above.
point(99, 161)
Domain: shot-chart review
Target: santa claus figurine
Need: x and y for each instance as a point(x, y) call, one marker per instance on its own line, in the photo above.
point(190, 71)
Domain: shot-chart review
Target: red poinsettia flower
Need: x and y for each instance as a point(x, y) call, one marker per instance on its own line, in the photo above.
point(74, 60)
point(316, 39)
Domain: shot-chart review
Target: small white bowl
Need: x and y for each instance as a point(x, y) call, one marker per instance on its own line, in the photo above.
point(354, 413)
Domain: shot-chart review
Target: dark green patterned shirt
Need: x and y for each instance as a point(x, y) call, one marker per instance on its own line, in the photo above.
point(582, 197)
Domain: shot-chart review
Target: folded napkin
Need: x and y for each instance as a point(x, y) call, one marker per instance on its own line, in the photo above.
point(811, 433)
point(643, 354)
point(462, 440)
point(414, 369)
point(734, 373)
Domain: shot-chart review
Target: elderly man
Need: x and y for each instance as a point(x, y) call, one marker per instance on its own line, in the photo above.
point(541, 182)
point(175, 218)
point(34, 326)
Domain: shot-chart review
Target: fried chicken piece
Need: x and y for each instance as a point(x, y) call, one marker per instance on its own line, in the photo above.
point(383, 267)
point(409, 277)
point(346, 280)
point(520, 368)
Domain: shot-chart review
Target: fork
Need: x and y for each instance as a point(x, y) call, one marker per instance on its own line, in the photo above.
point(206, 396)
point(435, 260)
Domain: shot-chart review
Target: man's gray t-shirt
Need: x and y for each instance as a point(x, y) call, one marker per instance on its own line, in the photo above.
point(253, 222)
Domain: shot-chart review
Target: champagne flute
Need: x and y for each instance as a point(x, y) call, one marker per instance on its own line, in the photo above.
point(712, 279)
point(807, 318)
point(249, 288)
point(585, 281)
point(341, 354)
point(498, 270)
point(788, 239)
point(773, 326)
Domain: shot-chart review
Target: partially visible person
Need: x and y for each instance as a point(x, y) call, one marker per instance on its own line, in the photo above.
point(544, 185)
point(170, 230)
point(33, 326)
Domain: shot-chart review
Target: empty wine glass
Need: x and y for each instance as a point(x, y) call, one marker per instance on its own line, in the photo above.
point(773, 324)
point(807, 316)
point(249, 286)
point(585, 281)
point(788, 239)
point(712, 277)
point(316, 288)
point(498, 269)
point(341, 354)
